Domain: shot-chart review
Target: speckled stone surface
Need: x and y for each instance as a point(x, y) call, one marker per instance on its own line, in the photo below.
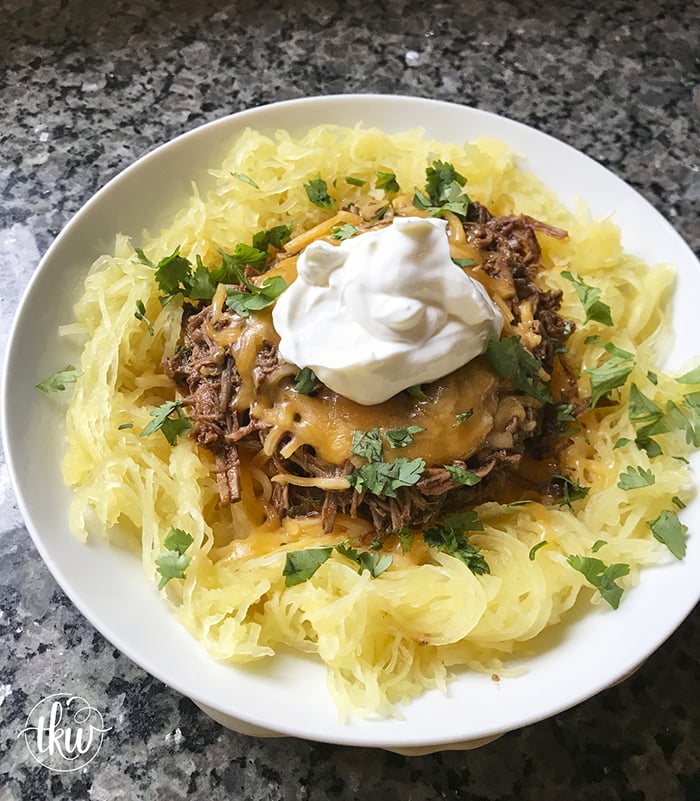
point(86, 88)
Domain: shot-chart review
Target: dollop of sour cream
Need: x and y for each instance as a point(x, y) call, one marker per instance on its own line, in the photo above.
point(384, 311)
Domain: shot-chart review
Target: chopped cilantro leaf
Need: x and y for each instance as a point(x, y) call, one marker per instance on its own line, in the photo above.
point(124, 426)
point(642, 410)
point(299, 566)
point(597, 545)
point(401, 437)
point(379, 214)
point(653, 378)
point(170, 565)
point(462, 417)
point(465, 262)
point(535, 548)
point(374, 563)
point(417, 391)
point(678, 502)
point(509, 359)
point(589, 296)
point(317, 192)
point(571, 490)
point(565, 413)
point(405, 536)
point(245, 178)
point(621, 442)
point(202, 284)
point(275, 237)
point(367, 444)
point(259, 297)
point(444, 191)
point(385, 478)
point(691, 405)
point(142, 258)
point(691, 377)
point(354, 181)
point(463, 521)
point(171, 427)
point(345, 231)
point(590, 340)
point(173, 562)
point(441, 179)
point(461, 476)
point(449, 538)
point(611, 374)
point(58, 381)
point(178, 540)
point(650, 446)
point(173, 275)
point(247, 255)
point(387, 181)
point(603, 577)
point(669, 530)
point(140, 314)
point(635, 477)
point(305, 381)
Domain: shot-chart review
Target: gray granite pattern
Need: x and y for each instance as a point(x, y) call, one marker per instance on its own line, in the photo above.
point(86, 88)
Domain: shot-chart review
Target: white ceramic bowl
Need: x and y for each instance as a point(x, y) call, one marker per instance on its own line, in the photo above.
point(287, 695)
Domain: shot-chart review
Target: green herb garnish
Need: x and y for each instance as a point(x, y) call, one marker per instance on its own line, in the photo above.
point(171, 427)
point(387, 181)
point(589, 296)
point(462, 417)
point(345, 231)
point(449, 538)
point(257, 297)
point(374, 563)
point(299, 566)
point(509, 359)
point(691, 377)
point(601, 576)
point(417, 391)
point(276, 237)
point(535, 548)
point(140, 314)
point(59, 380)
point(317, 192)
point(571, 490)
point(367, 444)
point(385, 478)
point(401, 437)
point(245, 178)
point(669, 530)
point(611, 374)
point(635, 477)
point(305, 381)
point(405, 536)
point(461, 476)
point(443, 191)
point(173, 562)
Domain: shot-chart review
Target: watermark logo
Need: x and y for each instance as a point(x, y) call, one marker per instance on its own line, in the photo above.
point(63, 732)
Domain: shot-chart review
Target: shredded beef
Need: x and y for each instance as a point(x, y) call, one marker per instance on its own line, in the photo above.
point(207, 377)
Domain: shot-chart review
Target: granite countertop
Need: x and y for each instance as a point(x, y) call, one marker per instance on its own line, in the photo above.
point(86, 88)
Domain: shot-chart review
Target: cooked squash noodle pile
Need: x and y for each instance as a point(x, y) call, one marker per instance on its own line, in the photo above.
point(389, 638)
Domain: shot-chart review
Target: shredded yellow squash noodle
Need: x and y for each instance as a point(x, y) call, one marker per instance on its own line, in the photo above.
point(385, 639)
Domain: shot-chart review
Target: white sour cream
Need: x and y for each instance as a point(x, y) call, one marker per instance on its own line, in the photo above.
point(384, 311)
